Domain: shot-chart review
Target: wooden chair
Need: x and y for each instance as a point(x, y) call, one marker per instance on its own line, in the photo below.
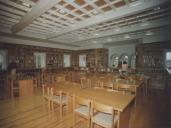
point(81, 107)
point(13, 87)
point(107, 85)
point(61, 78)
point(59, 98)
point(94, 83)
point(85, 83)
point(103, 115)
point(46, 94)
point(127, 89)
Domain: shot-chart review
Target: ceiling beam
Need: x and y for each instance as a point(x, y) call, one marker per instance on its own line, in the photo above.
point(129, 29)
point(37, 10)
point(112, 15)
point(18, 39)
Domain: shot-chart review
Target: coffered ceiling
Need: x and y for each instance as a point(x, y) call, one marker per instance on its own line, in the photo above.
point(77, 23)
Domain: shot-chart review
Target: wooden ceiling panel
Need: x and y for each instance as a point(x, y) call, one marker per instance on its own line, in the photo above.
point(100, 3)
point(67, 18)
point(78, 12)
point(88, 7)
point(70, 16)
point(69, 7)
point(62, 2)
point(108, 8)
point(119, 4)
point(86, 16)
point(80, 2)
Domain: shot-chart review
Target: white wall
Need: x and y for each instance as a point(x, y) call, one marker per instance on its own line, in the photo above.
point(119, 50)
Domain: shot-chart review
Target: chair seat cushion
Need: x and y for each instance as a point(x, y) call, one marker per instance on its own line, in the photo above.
point(104, 120)
point(56, 99)
point(83, 110)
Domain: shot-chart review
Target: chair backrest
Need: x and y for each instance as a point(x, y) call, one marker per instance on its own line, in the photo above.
point(108, 84)
point(80, 101)
point(126, 88)
point(58, 93)
point(94, 82)
point(45, 90)
point(96, 106)
point(85, 83)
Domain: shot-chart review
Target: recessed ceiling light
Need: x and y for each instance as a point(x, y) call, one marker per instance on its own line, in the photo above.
point(95, 12)
point(96, 34)
point(80, 37)
point(135, 4)
point(145, 23)
point(109, 39)
point(26, 4)
point(127, 36)
point(62, 11)
point(157, 8)
point(72, 22)
point(117, 28)
point(148, 33)
point(95, 42)
point(44, 22)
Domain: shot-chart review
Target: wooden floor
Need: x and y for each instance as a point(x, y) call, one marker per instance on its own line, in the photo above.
point(152, 111)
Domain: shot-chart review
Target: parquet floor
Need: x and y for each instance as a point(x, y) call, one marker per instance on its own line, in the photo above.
point(152, 111)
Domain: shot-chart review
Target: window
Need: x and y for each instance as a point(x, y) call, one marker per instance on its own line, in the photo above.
point(67, 61)
point(40, 60)
point(114, 61)
point(82, 60)
point(168, 60)
point(168, 56)
point(124, 58)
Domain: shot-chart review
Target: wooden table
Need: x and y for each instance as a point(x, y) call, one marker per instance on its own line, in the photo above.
point(119, 102)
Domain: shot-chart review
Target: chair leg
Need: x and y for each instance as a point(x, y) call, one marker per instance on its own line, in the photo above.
point(91, 124)
point(52, 106)
point(88, 124)
point(49, 104)
point(60, 109)
point(74, 121)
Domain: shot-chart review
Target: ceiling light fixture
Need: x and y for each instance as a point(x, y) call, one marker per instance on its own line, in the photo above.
point(117, 28)
point(95, 12)
point(26, 4)
point(148, 33)
point(62, 11)
point(157, 8)
point(72, 22)
point(145, 23)
point(96, 34)
point(135, 4)
point(127, 36)
point(109, 39)
point(95, 42)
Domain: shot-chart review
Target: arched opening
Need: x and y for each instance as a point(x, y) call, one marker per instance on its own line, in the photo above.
point(114, 61)
point(124, 58)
